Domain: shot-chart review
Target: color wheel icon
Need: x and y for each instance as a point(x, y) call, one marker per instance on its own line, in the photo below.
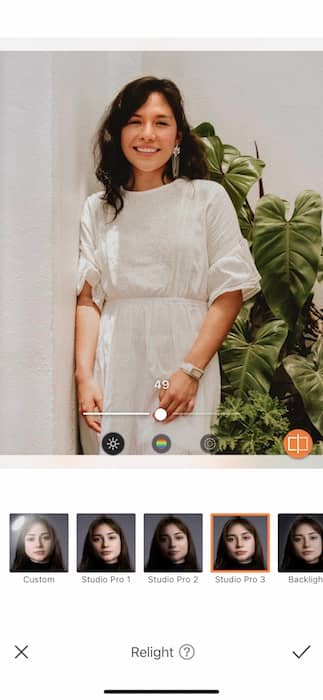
point(161, 443)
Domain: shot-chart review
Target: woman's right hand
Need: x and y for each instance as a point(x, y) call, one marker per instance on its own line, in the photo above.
point(90, 399)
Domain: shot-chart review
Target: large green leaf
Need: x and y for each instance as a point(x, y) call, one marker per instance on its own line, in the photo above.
point(249, 363)
point(235, 172)
point(214, 155)
point(307, 376)
point(243, 172)
point(204, 129)
point(287, 251)
point(246, 219)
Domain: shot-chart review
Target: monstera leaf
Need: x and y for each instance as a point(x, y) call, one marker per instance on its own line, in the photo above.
point(235, 172)
point(287, 251)
point(307, 376)
point(249, 363)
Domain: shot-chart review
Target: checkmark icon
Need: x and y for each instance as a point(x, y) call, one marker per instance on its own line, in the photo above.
point(299, 656)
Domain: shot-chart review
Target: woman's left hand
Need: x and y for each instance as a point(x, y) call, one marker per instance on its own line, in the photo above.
point(180, 396)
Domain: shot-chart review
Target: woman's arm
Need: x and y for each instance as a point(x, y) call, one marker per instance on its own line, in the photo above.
point(180, 396)
point(86, 338)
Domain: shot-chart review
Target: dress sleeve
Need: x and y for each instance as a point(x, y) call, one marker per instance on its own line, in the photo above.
point(88, 267)
point(231, 266)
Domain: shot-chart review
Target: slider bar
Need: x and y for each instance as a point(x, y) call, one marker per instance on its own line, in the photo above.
point(141, 413)
point(162, 692)
point(115, 413)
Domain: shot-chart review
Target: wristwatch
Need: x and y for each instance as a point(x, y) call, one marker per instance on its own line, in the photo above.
point(191, 370)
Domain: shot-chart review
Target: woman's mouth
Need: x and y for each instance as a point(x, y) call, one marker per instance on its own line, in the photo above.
point(146, 150)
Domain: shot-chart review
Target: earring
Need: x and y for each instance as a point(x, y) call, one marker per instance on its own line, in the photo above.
point(176, 161)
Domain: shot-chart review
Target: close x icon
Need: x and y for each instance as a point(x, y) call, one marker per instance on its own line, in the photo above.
point(21, 652)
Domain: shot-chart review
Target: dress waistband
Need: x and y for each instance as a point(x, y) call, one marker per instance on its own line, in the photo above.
point(170, 300)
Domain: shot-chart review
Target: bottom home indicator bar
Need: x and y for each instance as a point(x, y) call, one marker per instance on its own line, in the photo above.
point(175, 691)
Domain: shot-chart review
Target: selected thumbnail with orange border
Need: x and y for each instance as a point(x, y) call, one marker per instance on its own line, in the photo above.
point(240, 542)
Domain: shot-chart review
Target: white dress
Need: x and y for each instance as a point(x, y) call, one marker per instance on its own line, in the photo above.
point(154, 271)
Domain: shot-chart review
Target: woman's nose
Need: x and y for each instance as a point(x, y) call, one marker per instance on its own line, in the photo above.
point(148, 130)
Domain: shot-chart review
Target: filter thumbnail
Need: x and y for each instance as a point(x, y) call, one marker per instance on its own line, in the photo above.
point(240, 542)
point(38, 542)
point(173, 543)
point(300, 542)
point(106, 542)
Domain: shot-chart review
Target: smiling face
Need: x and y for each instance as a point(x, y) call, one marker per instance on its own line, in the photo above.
point(106, 543)
point(240, 544)
point(38, 543)
point(307, 543)
point(173, 543)
point(148, 140)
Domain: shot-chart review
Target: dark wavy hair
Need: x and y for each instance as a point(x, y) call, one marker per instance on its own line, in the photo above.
point(223, 559)
point(112, 168)
point(91, 561)
point(157, 561)
point(292, 562)
point(22, 561)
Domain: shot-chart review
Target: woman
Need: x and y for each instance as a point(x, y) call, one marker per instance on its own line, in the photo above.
point(172, 547)
point(105, 547)
point(163, 271)
point(304, 546)
point(38, 547)
point(239, 546)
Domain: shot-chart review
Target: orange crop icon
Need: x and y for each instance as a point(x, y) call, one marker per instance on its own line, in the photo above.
point(298, 443)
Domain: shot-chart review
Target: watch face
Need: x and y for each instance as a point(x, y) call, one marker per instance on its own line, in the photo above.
point(195, 373)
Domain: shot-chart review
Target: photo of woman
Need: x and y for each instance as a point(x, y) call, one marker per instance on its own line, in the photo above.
point(303, 549)
point(172, 548)
point(37, 546)
point(105, 547)
point(162, 274)
point(239, 546)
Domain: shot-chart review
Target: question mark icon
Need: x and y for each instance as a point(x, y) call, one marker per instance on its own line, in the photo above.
point(186, 651)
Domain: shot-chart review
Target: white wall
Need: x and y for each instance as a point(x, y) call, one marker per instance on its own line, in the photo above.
point(50, 106)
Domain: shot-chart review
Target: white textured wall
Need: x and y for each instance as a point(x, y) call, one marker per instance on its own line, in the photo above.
point(26, 407)
point(50, 105)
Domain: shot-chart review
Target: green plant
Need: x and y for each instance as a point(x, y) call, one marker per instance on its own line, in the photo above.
point(254, 425)
point(275, 345)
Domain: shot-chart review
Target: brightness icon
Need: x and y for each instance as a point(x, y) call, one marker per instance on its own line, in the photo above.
point(113, 443)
